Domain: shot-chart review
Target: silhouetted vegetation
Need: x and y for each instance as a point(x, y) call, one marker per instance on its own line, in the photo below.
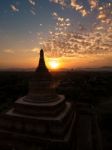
point(12, 86)
point(91, 87)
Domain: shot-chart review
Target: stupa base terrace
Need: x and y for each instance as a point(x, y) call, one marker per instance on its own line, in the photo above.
point(18, 130)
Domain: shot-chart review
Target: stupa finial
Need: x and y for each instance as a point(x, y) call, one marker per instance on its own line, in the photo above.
point(41, 53)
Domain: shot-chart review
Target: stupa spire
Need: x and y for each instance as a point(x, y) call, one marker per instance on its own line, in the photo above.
point(42, 66)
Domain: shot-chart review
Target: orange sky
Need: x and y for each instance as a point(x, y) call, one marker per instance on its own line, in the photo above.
point(30, 60)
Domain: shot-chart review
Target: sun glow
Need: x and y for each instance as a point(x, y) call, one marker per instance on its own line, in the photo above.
point(54, 64)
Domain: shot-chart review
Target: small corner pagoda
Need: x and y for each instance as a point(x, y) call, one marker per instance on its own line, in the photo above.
point(40, 120)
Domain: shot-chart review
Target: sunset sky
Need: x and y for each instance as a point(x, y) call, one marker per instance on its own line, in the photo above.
point(76, 33)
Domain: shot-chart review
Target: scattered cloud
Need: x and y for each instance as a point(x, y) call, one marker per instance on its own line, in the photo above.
point(101, 15)
point(33, 12)
point(54, 14)
point(41, 24)
point(105, 13)
point(79, 8)
point(93, 4)
point(32, 2)
point(63, 41)
point(60, 2)
point(36, 49)
point(10, 51)
point(33, 9)
point(104, 9)
point(14, 8)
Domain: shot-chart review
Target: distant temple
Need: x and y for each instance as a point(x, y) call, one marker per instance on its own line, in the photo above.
point(44, 120)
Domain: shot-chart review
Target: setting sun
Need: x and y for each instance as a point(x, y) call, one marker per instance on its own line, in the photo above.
point(53, 64)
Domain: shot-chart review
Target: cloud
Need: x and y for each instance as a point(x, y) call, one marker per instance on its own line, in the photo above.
point(33, 9)
point(60, 2)
point(67, 19)
point(41, 24)
point(63, 41)
point(93, 4)
point(61, 19)
point(54, 14)
point(33, 12)
point(14, 8)
point(101, 15)
point(32, 2)
point(36, 49)
point(9, 51)
point(105, 12)
point(79, 8)
point(104, 9)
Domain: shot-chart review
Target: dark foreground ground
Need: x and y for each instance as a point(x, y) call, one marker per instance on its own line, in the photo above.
point(78, 86)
